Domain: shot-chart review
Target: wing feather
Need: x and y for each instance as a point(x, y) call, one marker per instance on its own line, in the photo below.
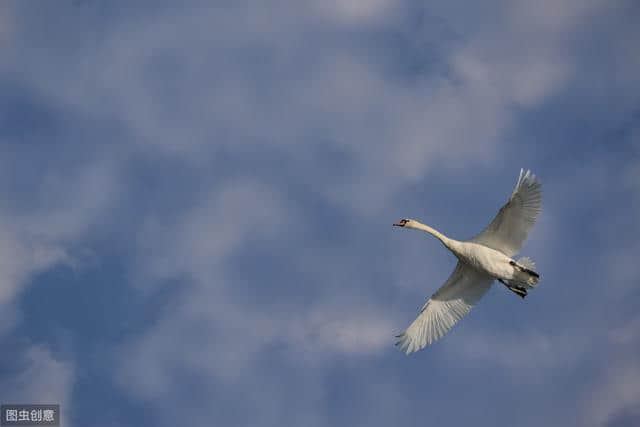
point(509, 229)
point(462, 290)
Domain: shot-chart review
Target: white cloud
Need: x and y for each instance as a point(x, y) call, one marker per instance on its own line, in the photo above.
point(357, 11)
point(555, 17)
point(514, 71)
point(22, 255)
point(324, 329)
point(530, 356)
point(197, 249)
point(617, 390)
point(44, 380)
point(65, 207)
point(627, 333)
point(203, 236)
point(394, 132)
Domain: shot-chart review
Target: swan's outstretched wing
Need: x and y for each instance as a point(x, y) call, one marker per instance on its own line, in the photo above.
point(450, 303)
point(508, 230)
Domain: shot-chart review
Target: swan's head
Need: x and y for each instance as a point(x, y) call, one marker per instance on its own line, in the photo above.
point(408, 223)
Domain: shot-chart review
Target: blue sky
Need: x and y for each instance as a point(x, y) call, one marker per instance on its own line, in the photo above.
point(196, 205)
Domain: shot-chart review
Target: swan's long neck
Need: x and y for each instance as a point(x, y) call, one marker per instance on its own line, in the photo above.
point(423, 227)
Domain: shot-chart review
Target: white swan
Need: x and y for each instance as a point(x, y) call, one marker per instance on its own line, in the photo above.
point(481, 260)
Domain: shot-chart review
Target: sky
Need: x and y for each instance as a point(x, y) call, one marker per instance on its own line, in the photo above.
point(196, 202)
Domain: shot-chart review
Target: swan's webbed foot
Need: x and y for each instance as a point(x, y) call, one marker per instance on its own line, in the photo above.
point(520, 291)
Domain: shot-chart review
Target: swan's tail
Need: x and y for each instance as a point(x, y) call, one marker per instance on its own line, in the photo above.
point(525, 277)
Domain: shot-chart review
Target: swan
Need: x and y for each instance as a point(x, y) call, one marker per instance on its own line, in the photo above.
point(481, 261)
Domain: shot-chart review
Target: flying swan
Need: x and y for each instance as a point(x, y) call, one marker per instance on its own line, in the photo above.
point(481, 260)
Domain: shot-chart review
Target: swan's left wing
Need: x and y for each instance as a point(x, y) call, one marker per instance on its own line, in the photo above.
point(462, 290)
point(509, 229)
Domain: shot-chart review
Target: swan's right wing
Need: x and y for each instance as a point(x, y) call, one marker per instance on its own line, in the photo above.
point(508, 230)
point(462, 290)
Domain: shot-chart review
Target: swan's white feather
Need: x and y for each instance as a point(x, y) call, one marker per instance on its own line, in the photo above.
point(508, 230)
point(527, 262)
point(462, 290)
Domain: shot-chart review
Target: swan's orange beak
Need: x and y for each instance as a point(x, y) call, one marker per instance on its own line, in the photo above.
point(400, 223)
